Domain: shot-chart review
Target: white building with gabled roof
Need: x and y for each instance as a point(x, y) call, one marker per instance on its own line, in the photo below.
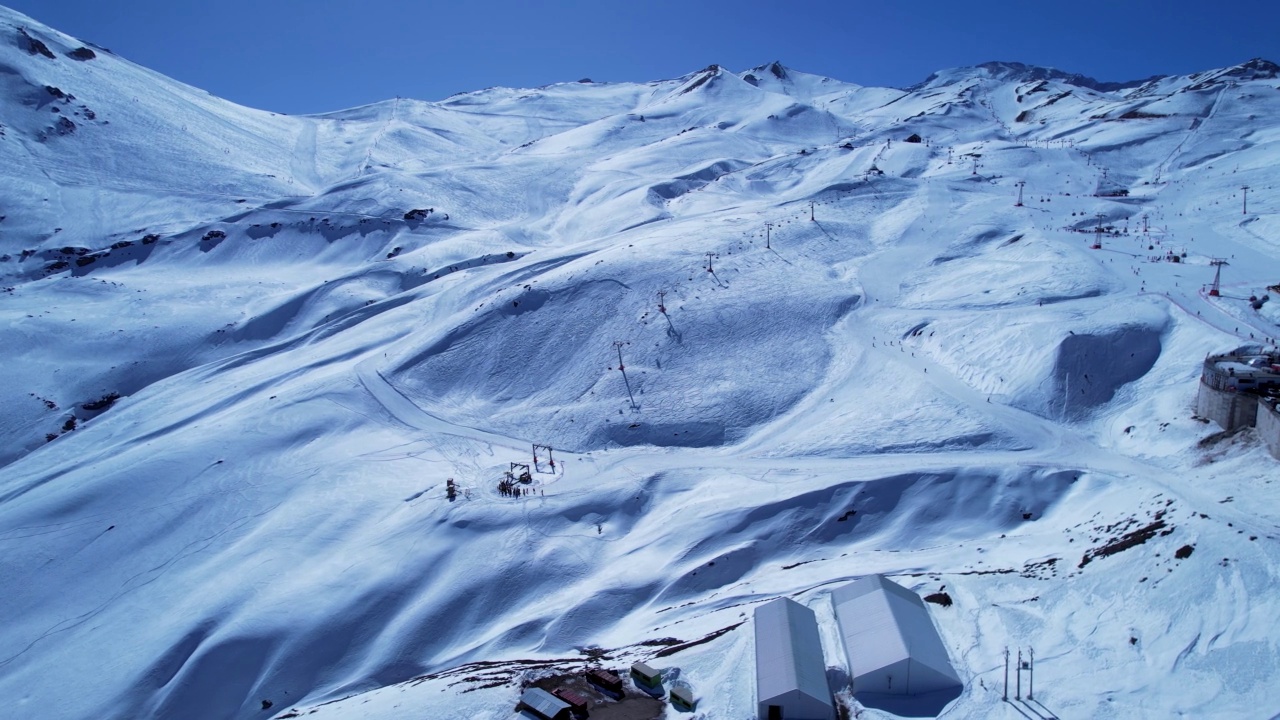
point(890, 640)
point(791, 673)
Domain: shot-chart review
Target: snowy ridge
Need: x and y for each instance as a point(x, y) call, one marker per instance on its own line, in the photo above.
point(247, 352)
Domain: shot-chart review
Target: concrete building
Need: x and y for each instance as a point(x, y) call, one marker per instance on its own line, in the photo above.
point(1269, 425)
point(1239, 389)
point(889, 638)
point(791, 673)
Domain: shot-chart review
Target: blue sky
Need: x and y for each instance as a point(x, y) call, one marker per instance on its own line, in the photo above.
point(300, 56)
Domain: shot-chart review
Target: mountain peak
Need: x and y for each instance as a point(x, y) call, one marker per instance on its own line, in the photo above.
point(1022, 72)
point(1255, 69)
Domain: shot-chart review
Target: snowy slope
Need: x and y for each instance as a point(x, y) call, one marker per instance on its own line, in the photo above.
point(240, 370)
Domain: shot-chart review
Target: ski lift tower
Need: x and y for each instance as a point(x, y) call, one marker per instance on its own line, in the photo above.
point(1217, 264)
point(1020, 184)
point(1097, 234)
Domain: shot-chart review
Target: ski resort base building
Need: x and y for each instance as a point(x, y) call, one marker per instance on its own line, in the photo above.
point(791, 674)
point(1241, 389)
point(890, 641)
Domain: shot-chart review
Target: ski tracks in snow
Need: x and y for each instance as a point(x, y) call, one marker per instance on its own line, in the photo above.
point(303, 163)
point(377, 138)
point(1191, 133)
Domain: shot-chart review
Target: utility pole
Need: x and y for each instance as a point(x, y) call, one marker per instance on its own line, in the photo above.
point(1018, 670)
point(1031, 681)
point(1244, 210)
point(768, 229)
point(1006, 675)
point(1217, 264)
point(617, 344)
point(1020, 184)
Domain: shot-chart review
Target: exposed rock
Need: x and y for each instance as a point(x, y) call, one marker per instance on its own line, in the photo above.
point(101, 403)
point(34, 46)
point(939, 598)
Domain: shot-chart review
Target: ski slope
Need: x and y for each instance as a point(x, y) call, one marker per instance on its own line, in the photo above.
point(774, 344)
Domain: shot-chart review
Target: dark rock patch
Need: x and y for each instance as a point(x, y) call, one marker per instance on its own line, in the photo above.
point(34, 46)
point(1129, 540)
point(101, 403)
point(939, 598)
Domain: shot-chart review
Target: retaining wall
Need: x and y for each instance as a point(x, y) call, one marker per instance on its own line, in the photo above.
point(1229, 409)
point(1268, 428)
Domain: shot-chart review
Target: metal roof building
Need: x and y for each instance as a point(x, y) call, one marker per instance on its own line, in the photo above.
point(543, 704)
point(890, 640)
point(791, 674)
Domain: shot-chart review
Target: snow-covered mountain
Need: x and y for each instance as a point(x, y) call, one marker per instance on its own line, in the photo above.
point(781, 331)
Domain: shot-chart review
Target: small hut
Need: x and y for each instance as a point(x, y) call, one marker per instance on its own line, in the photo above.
point(605, 680)
point(577, 702)
point(646, 676)
point(682, 698)
point(543, 704)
